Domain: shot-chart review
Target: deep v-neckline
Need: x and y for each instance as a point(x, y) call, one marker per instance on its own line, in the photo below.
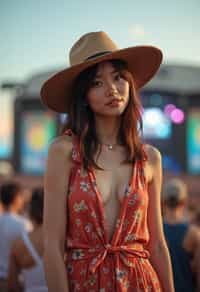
point(119, 217)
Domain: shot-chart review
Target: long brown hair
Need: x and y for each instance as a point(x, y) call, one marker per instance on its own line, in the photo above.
point(81, 119)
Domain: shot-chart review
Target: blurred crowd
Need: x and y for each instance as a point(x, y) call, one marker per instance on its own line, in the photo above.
point(21, 237)
point(182, 233)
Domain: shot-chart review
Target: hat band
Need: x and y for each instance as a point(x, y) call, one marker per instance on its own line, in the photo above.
point(98, 55)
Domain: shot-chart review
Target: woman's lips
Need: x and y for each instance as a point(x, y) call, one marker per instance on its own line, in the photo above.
point(114, 102)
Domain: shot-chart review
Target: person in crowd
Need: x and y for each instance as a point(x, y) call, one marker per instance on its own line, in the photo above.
point(12, 225)
point(102, 215)
point(182, 237)
point(196, 219)
point(193, 212)
point(1, 208)
point(26, 260)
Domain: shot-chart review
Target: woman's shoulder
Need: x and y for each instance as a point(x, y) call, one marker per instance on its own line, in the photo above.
point(153, 154)
point(152, 161)
point(59, 158)
point(61, 145)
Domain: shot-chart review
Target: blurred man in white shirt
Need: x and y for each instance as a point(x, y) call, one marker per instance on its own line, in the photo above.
point(12, 225)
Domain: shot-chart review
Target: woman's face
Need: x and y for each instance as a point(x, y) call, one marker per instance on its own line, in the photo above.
point(109, 93)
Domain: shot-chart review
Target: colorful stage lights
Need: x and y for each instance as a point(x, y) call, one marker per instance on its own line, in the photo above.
point(176, 115)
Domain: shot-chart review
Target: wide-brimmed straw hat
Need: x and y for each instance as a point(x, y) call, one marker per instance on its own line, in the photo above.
point(92, 48)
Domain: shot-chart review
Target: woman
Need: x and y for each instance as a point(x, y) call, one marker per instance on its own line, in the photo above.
point(102, 186)
point(26, 254)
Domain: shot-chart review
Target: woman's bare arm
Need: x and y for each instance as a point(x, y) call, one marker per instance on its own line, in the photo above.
point(159, 254)
point(55, 213)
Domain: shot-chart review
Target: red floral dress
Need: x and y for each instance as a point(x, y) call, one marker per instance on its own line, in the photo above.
point(93, 263)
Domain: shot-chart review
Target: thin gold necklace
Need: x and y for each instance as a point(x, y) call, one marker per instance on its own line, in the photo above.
point(109, 146)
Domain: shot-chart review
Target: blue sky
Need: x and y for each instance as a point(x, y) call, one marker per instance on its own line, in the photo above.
point(36, 35)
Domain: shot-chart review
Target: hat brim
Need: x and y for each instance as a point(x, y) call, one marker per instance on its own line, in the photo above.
point(143, 62)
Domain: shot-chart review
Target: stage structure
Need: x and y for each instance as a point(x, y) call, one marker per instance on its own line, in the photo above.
point(171, 122)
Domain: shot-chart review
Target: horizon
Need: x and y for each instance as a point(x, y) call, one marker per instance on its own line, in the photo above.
point(38, 35)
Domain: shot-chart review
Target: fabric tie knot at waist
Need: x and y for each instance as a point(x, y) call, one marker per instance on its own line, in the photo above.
point(124, 252)
point(111, 249)
point(97, 255)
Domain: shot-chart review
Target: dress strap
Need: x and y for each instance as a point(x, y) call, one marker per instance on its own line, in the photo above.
point(31, 248)
point(76, 157)
point(140, 179)
point(76, 154)
point(144, 154)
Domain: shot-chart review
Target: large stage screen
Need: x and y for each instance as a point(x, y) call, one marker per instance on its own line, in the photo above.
point(156, 124)
point(6, 125)
point(35, 129)
point(163, 127)
point(193, 141)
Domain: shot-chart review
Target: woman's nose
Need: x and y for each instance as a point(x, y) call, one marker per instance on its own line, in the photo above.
point(111, 89)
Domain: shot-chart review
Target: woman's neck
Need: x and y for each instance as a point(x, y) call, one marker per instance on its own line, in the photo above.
point(107, 130)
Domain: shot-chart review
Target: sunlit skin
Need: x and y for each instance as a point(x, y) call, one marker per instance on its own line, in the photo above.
point(108, 97)
point(109, 94)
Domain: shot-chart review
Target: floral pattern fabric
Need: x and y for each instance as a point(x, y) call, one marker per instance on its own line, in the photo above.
point(94, 263)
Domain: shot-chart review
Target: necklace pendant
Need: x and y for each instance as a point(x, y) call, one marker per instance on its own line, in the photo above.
point(110, 147)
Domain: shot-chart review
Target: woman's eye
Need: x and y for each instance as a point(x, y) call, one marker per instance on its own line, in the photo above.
point(96, 83)
point(118, 77)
